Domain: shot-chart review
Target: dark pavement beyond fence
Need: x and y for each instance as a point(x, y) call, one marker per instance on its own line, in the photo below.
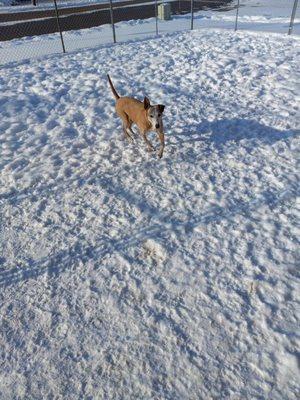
point(42, 22)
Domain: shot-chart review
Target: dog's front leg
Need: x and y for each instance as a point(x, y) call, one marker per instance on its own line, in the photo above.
point(162, 143)
point(149, 145)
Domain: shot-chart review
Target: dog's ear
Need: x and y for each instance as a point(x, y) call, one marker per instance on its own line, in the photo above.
point(146, 103)
point(161, 108)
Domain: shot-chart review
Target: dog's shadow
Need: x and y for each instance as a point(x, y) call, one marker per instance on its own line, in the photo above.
point(224, 132)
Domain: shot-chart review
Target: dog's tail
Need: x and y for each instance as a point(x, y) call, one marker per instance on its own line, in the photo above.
point(112, 88)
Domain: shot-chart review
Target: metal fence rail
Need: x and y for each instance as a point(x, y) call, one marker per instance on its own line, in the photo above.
point(60, 20)
point(293, 17)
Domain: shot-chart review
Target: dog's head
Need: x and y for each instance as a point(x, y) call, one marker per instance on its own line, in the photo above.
point(154, 114)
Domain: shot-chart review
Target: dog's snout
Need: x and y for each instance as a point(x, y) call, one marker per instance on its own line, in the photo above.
point(157, 126)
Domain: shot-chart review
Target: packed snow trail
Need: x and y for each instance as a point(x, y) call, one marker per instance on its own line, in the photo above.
point(123, 276)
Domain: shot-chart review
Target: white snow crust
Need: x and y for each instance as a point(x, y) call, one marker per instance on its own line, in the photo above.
point(123, 276)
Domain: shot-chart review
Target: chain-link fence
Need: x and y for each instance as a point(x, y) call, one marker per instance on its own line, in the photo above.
point(28, 31)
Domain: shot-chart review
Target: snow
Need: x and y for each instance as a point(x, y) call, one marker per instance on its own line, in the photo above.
point(124, 276)
point(267, 15)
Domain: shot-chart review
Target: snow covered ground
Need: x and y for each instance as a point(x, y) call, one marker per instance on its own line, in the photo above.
point(128, 277)
point(255, 15)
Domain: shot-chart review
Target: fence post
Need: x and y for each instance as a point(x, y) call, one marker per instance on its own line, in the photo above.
point(237, 15)
point(192, 14)
point(59, 28)
point(293, 17)
point(112, 20)
point(156, 18)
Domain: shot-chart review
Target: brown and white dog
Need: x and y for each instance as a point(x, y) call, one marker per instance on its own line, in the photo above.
point(146, 117)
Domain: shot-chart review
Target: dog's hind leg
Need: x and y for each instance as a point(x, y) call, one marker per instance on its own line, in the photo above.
point(126, 125)
point(130, 127)
point(126, 132)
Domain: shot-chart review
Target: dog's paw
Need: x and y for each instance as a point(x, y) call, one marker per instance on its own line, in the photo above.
point(130, 139)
